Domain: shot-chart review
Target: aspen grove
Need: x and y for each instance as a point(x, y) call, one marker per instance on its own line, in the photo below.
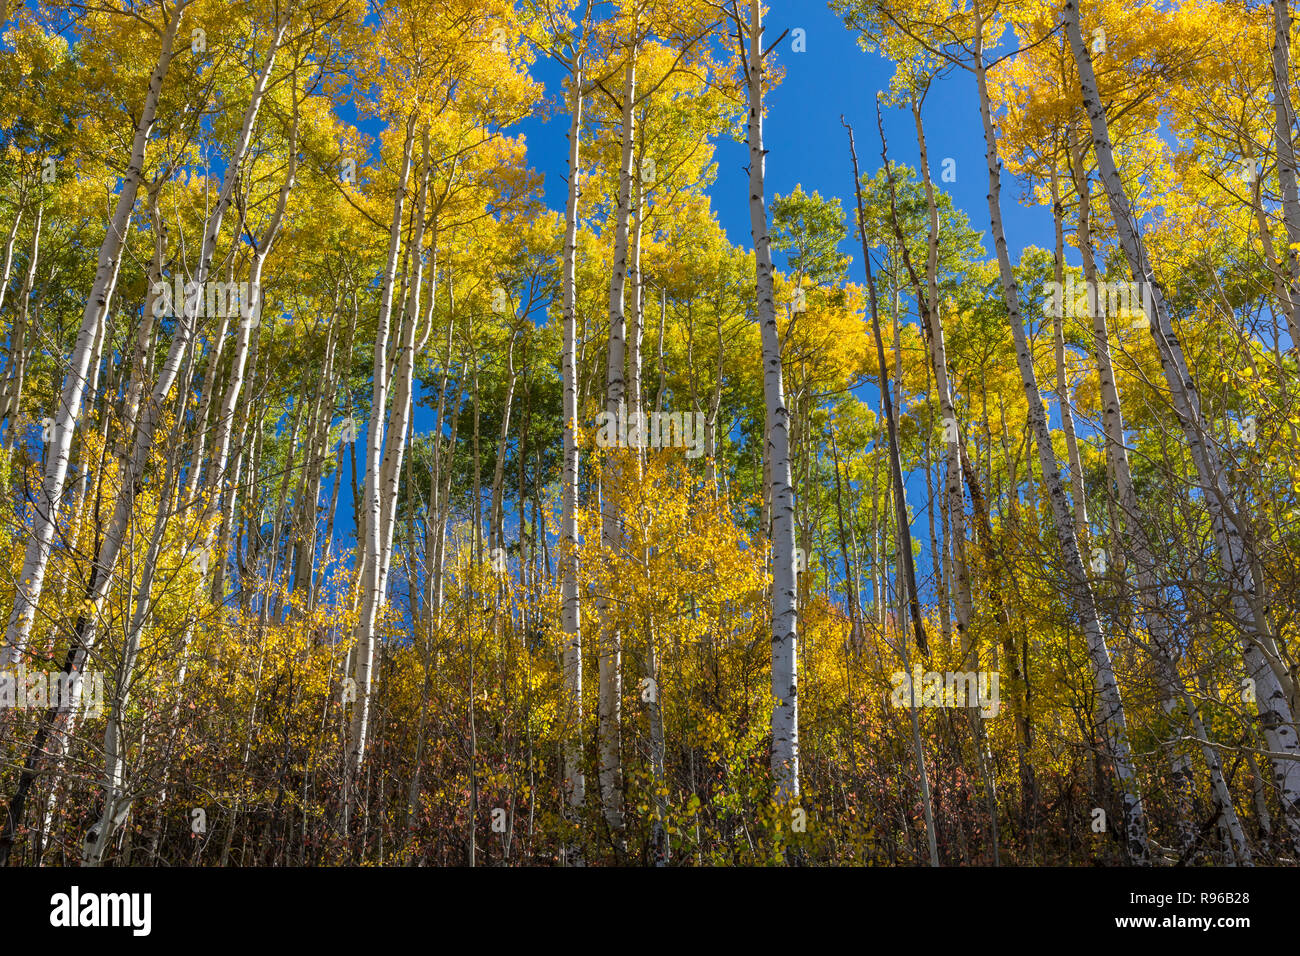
point(498, 432)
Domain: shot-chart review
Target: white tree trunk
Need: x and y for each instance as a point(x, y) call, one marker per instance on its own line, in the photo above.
point(785, 707)
point(116, 805)
point(372, 580)
point(151, 411)
point(1260, 654)
point(399, 416)
point(610, 674)
point(1111, 717)
point(1062, 382)
point(1283, 123)
point(68, 412)
point(9, 246)
point(1152, 598)
point(496, 518)
point(16, 366)
point(955, 499)
point(575, 781)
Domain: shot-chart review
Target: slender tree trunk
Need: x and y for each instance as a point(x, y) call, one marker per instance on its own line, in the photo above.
point(117, 798)
point(1079, 588)
point(11, 401)
point(575, 782)
point(1062, 382)
point(372, 595)
point(19, 209)
point(905, 562)
point(1283, 124)
point(1152, 599)
point(68, 412)
point(1272, 686)
point(496, 519)
point(610, 699)
point(850, 577)
point(954, 442)
point(785, 688)
point(60, 724)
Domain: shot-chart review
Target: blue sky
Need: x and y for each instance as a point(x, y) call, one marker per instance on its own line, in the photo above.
point(807, 145)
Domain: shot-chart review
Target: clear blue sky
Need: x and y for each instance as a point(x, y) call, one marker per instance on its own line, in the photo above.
point(808, 146)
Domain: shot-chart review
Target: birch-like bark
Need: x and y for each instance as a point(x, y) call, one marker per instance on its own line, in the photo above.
point(575, 782)
point(169, 371)
point(31, 579)
point(637, 331)
point(785, 688)
point(9, 246)
point(308, 495)
point(1062, 382)
point(954, 441)
point(116, 532)
point(1111, 717)
point(59, 725)
point(117, 803)
point(1283, 124)
point(93, 395)
point(18, 347)
point(1152, 598)
point(214, 351)
point(496, 517)
point(610, 674)
point(117, 799)
point(372, 580)
point(403, 381)
point(1258, 651)
point(250, 319)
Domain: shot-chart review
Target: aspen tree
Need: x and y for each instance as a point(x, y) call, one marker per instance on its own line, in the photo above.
point(1080, 590)
point(784, 594)
point(68, 412)
point(1258, 649)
